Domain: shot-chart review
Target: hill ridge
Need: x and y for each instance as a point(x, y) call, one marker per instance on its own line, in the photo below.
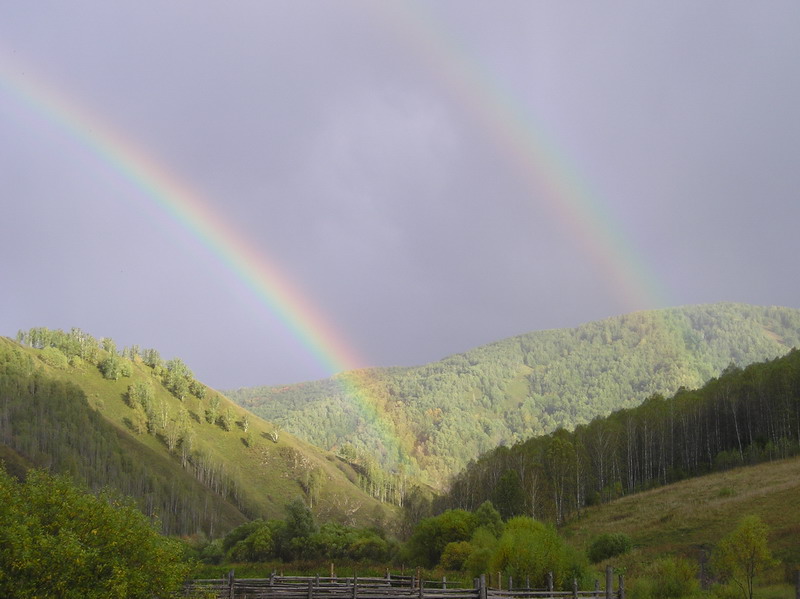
point(448, 412)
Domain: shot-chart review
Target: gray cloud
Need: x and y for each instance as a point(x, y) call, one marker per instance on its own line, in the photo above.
point(360, 148)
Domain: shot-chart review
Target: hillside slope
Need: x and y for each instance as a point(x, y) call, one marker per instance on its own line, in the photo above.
point(200, 462)
point(689, 517)
point(430, 421)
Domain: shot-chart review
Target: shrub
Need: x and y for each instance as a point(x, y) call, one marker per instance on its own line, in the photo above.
point(52, 356)
point(455, 555)
point(608, 545)
point(58, 541)
point(667, 578)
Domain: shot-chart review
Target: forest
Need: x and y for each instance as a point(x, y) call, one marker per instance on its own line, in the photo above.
point(745, 416)
point(426, 423)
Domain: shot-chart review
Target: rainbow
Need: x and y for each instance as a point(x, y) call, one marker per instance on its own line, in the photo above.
point(536, 159)
point(187, 207)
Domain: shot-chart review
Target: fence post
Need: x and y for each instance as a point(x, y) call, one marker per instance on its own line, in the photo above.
point(310, 589)
point(510, 583)
point(482, 592)
point(355, 586)
point(444, 582)
point(597, 589)
point(230, 584)
point(499, 582)
point(421, 588)
point(527, 583)
point(621, 586)
point(797, 584)
point(333, 574)
point(609, 582)
point(574, 588)
point(550, 583)
point(271, 578)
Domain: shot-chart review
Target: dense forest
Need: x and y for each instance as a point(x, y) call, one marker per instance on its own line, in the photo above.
point(743, 417)
point(428, 422)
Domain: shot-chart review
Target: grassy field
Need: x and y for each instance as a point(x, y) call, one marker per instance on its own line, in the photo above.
point(688, 518)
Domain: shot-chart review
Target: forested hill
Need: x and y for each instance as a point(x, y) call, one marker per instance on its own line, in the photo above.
point(144, 426)
point(745, 416)
point(429, 421)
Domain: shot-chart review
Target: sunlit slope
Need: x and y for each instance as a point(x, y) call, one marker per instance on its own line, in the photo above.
point(198, 471)
point(691, 516)
point(444, 414)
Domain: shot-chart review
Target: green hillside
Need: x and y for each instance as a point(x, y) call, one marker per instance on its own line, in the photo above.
point(430, 421)
point(688, 518)
point(146, 427)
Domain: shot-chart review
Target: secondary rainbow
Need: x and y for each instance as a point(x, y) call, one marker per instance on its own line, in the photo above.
point(537, 160)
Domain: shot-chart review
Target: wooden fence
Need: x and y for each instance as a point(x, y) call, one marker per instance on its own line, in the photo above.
point(388, 587)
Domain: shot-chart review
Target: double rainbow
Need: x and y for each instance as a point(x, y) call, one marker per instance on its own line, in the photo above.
point(514, 131)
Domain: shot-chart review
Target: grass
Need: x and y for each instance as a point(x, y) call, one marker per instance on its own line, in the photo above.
point(267, 473)
point(688, 518)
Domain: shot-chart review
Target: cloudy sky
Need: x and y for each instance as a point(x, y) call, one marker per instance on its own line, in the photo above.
point(422, 178)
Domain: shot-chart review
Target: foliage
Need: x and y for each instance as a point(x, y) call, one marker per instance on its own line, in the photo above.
point(531, 549)
point(52, 356)
point(608, 545)
point(455, 555)
point(298, 537)
point(57, 541)
point(743, 554)
point(667, 578)
point(433, 534)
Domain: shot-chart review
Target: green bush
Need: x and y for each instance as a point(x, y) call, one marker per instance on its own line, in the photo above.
point(52, 356)
point(608, 545)
point(667, 578)
point(455, 555)
point(58, 541)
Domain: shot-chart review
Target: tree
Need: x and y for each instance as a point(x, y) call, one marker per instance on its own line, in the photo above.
point(508, 496)
point(433, 534)
point(300, 526)
point(743, 554)
point(58, 541)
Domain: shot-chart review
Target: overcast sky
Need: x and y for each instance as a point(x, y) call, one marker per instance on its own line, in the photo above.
point(430, 177)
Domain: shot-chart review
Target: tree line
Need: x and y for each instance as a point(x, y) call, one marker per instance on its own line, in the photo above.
point(744, 416)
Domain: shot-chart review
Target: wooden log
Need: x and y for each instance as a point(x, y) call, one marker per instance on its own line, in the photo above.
point(609, 582)
point(621, 586)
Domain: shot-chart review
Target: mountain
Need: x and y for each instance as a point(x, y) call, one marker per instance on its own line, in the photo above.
point(429, 421)
point(148, 429)
point(745, 416)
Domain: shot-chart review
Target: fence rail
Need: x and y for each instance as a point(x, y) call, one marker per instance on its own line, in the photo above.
point(389, 587)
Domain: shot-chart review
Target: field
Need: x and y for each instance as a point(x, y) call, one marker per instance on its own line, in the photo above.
point(689, 517)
